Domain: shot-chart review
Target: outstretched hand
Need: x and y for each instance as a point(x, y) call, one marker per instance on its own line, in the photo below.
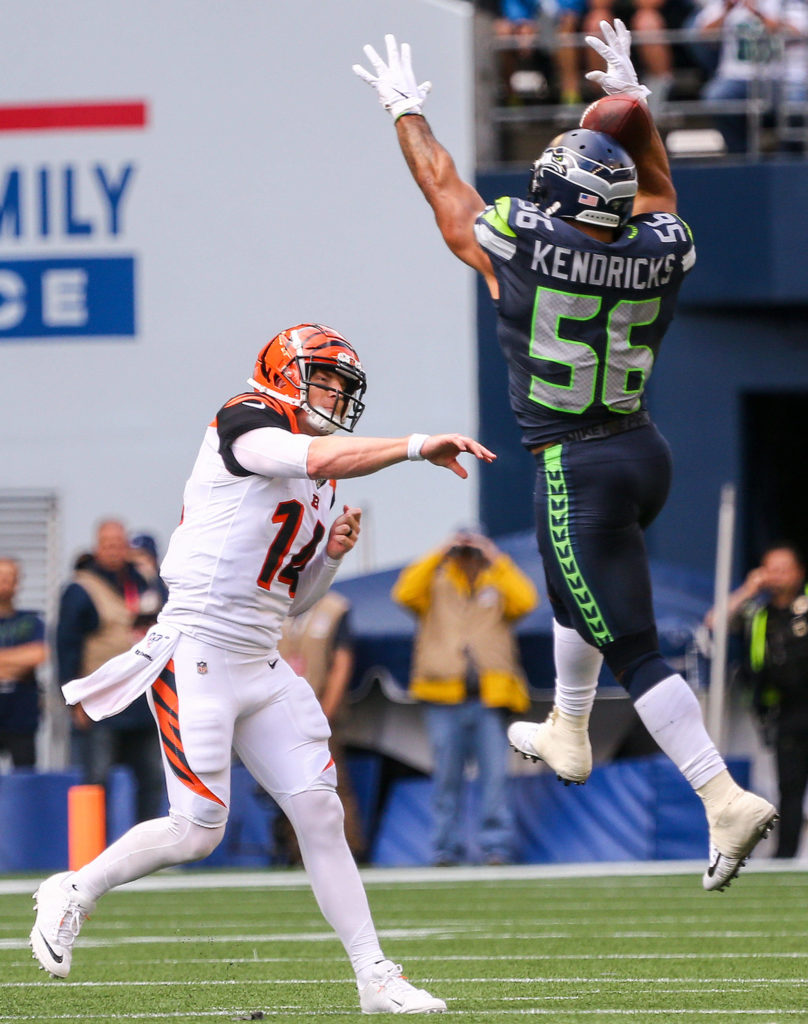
point(443, 450)
point(395, 83)
point(615, 48)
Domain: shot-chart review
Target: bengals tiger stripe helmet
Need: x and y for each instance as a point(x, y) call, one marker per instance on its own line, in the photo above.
point(285, 365)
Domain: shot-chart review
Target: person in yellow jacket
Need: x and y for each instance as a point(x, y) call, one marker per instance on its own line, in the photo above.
point(467, 595)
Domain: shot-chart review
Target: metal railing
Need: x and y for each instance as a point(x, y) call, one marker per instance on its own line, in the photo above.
point(771, 119)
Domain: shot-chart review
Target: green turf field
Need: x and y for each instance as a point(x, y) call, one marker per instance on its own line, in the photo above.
point(497, 948)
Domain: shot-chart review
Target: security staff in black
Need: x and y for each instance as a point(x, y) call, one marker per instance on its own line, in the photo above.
point(584, 275)
point(774, 613)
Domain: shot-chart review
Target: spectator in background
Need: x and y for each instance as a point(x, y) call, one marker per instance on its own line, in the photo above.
point(770, 609)
point(521, 74)
point(143, 556)
point(761, 55)
point(318, 645)
point(467, 595)
point(656, 58)
point(22, 650)
point(106, 607)
point(570, 17)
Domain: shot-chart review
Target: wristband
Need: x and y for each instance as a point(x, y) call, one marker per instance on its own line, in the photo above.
point(407, 113)
point(415, 443)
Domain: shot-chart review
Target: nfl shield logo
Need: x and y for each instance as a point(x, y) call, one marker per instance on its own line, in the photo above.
point(202, 668)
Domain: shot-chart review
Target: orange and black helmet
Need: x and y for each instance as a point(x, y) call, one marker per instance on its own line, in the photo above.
point(285, 364)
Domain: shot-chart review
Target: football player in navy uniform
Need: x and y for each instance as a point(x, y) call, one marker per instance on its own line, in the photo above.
point(584, 275)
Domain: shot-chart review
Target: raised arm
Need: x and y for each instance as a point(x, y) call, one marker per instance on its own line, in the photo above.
point(454, 202)
point(655, 191)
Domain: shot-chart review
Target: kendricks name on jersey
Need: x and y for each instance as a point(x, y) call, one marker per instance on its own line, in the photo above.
point(598, 270)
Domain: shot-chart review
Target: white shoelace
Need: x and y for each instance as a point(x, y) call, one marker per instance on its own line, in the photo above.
point(69, 926)
point(393, 979)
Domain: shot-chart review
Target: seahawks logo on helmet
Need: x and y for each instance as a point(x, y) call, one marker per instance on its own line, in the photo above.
point(585, 176)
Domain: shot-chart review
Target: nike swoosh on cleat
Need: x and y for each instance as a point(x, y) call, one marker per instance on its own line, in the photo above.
point(55, 956)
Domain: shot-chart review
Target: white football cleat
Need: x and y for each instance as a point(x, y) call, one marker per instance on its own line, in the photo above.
point(735, 831)
point(388, 991)
point(561, 741)
point(60, 913)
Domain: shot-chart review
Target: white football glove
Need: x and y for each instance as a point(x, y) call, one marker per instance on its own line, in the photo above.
point(619, 76)
point(394, 81)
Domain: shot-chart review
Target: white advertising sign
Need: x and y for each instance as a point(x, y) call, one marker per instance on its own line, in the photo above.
point(180, 181)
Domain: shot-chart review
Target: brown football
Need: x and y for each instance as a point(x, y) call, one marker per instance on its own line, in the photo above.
point(626, 119)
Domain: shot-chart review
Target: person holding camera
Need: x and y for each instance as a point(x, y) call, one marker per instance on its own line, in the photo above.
point(467, 595)
point(770, 610)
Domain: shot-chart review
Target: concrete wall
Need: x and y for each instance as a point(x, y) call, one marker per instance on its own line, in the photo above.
point(143, 266)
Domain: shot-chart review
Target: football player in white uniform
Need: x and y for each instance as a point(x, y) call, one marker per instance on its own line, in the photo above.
point(253, 546)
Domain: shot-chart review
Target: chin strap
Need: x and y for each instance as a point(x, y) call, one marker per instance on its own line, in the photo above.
point(319, 420)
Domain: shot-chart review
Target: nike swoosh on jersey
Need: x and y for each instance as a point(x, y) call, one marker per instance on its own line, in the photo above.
point(255, 405)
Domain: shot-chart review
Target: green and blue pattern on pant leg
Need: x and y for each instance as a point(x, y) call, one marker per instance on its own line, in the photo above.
point(558, 513)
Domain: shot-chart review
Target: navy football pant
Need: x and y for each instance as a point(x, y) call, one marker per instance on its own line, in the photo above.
point(593, 501)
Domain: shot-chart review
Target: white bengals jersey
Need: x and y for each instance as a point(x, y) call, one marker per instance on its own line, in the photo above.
point(233, 564)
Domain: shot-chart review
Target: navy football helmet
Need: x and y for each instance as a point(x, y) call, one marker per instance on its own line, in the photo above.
point(585, 176)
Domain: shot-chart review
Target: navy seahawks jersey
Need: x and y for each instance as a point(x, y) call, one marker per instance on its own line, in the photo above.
point(580, 321)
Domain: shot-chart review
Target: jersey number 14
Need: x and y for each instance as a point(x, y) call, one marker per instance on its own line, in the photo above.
point(289, 514)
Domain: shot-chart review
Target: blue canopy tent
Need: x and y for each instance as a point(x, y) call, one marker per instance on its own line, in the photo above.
point(384, 631)
point(646, 798)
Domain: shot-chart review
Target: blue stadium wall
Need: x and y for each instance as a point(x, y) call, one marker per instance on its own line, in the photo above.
point(742, 327)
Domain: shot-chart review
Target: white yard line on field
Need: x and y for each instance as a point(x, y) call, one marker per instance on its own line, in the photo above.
point(774, 1016)
point(637, 871)
point(599, 982)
